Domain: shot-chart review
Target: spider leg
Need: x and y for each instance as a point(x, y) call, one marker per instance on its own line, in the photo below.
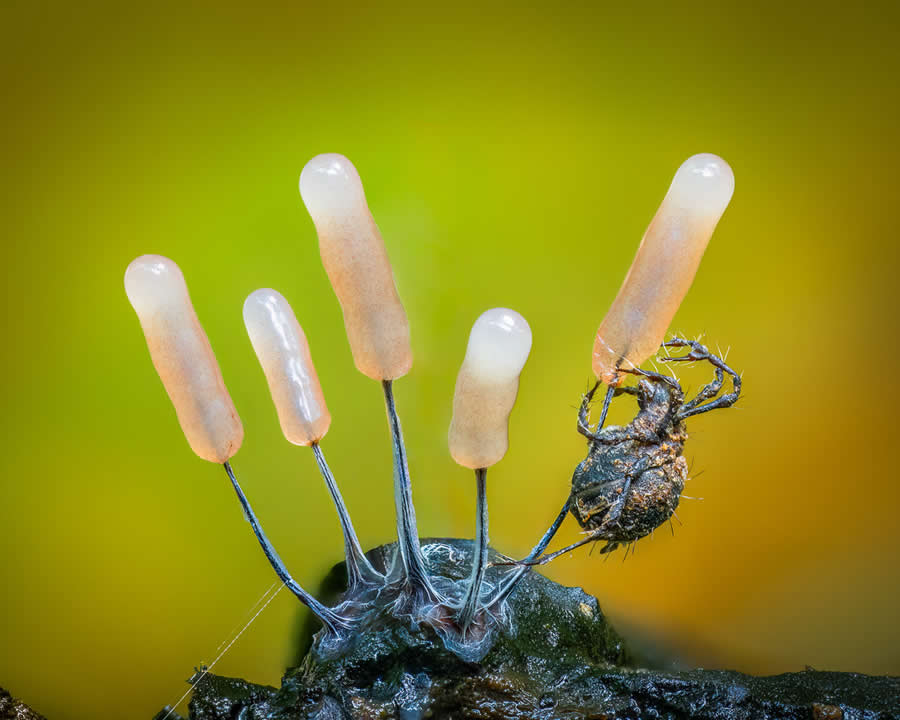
point(584, 419)
point(707, 392)
point(698, 404)
point(668, 379)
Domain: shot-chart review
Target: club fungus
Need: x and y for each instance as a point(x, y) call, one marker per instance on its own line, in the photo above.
point(486, 389)
point(629, 483)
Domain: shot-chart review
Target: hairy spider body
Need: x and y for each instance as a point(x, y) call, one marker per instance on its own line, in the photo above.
point(631, 481)
point(633, 476)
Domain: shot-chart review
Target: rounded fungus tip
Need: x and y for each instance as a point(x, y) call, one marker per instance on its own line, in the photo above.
point(486, 387)
point(183, 357)
point(704, 182)
point(283, 352)
point(498, 346)
point(358, 267)
point(664, 266)
point(329, 183)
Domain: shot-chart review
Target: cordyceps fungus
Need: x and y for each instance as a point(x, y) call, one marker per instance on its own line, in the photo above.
point(629, 483)
point(486, 390)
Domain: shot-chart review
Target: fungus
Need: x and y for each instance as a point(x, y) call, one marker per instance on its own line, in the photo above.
point(183, 357)
point(486, 389)
point(357, 265)
point(187, 366)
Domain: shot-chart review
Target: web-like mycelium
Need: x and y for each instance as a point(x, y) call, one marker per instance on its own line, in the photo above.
point(464, 613)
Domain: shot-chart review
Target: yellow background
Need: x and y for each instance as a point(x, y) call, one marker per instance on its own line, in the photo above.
point(512, 156)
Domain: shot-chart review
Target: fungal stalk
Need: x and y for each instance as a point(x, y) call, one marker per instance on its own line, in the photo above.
point(486, 390)
point(357, 265)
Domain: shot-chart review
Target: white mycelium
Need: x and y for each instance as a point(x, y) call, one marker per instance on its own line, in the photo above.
point(486, 387)
point(357, 264)
point(283, 352)
point(664, 267)
point(183, 357)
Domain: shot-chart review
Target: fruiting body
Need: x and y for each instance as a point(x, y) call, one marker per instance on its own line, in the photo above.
point(357, 264)
point(486, 388)
point(183, 357)
point(283, 352)
point(664, 267)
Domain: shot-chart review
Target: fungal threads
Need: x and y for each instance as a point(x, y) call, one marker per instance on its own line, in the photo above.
point(464, 612)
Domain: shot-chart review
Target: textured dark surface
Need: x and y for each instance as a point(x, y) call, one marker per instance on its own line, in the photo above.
point(12, 709)
point(555, 657)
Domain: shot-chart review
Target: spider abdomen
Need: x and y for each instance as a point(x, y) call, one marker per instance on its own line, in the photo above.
point(658, 473)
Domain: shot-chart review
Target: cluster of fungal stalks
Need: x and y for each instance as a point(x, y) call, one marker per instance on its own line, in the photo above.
point(464, 613)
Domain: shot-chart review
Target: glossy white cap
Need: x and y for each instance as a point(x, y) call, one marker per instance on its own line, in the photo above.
point(486, 388)
point(664, 267)
point(183, 357)
point(283, 352)
point(357, 264)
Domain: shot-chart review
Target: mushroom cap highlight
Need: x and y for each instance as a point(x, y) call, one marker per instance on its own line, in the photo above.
point(283, 352)
point(357, 265)
point(183, 357)
point(486, 388)
point(664, 266)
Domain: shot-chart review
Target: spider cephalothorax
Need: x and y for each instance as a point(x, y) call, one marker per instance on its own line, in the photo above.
point(631, 481)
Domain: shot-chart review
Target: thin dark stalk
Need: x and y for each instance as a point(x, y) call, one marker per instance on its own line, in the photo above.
point(407, 532)
point(359, 569)
point(331, 620)
point(479, 560)
point(607, 399)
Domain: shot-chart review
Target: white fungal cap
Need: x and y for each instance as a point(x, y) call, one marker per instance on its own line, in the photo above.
point(486, 388)
point(183, 357)
point(664, 267)
point(283, 352)
point(357, 264)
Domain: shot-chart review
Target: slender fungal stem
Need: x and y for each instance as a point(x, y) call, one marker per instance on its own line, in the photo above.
point(330, 619)
point(610, 391)
point(407, 533)
point(359, 569)
point(479, 559)
point(531, 561)
point(516, 575)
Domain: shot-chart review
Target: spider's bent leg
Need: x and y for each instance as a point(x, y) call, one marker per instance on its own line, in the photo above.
point(616, 510)
point(700, 352)
point(707, 392)
point(584, 423)
point(584, 412)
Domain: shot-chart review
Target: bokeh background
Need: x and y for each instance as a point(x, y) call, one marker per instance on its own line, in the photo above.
point(512, 156)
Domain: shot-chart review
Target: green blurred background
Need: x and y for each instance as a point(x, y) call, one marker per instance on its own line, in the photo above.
point(512, 156)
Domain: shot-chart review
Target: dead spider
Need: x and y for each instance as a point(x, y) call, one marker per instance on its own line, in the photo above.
point(632, 478)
